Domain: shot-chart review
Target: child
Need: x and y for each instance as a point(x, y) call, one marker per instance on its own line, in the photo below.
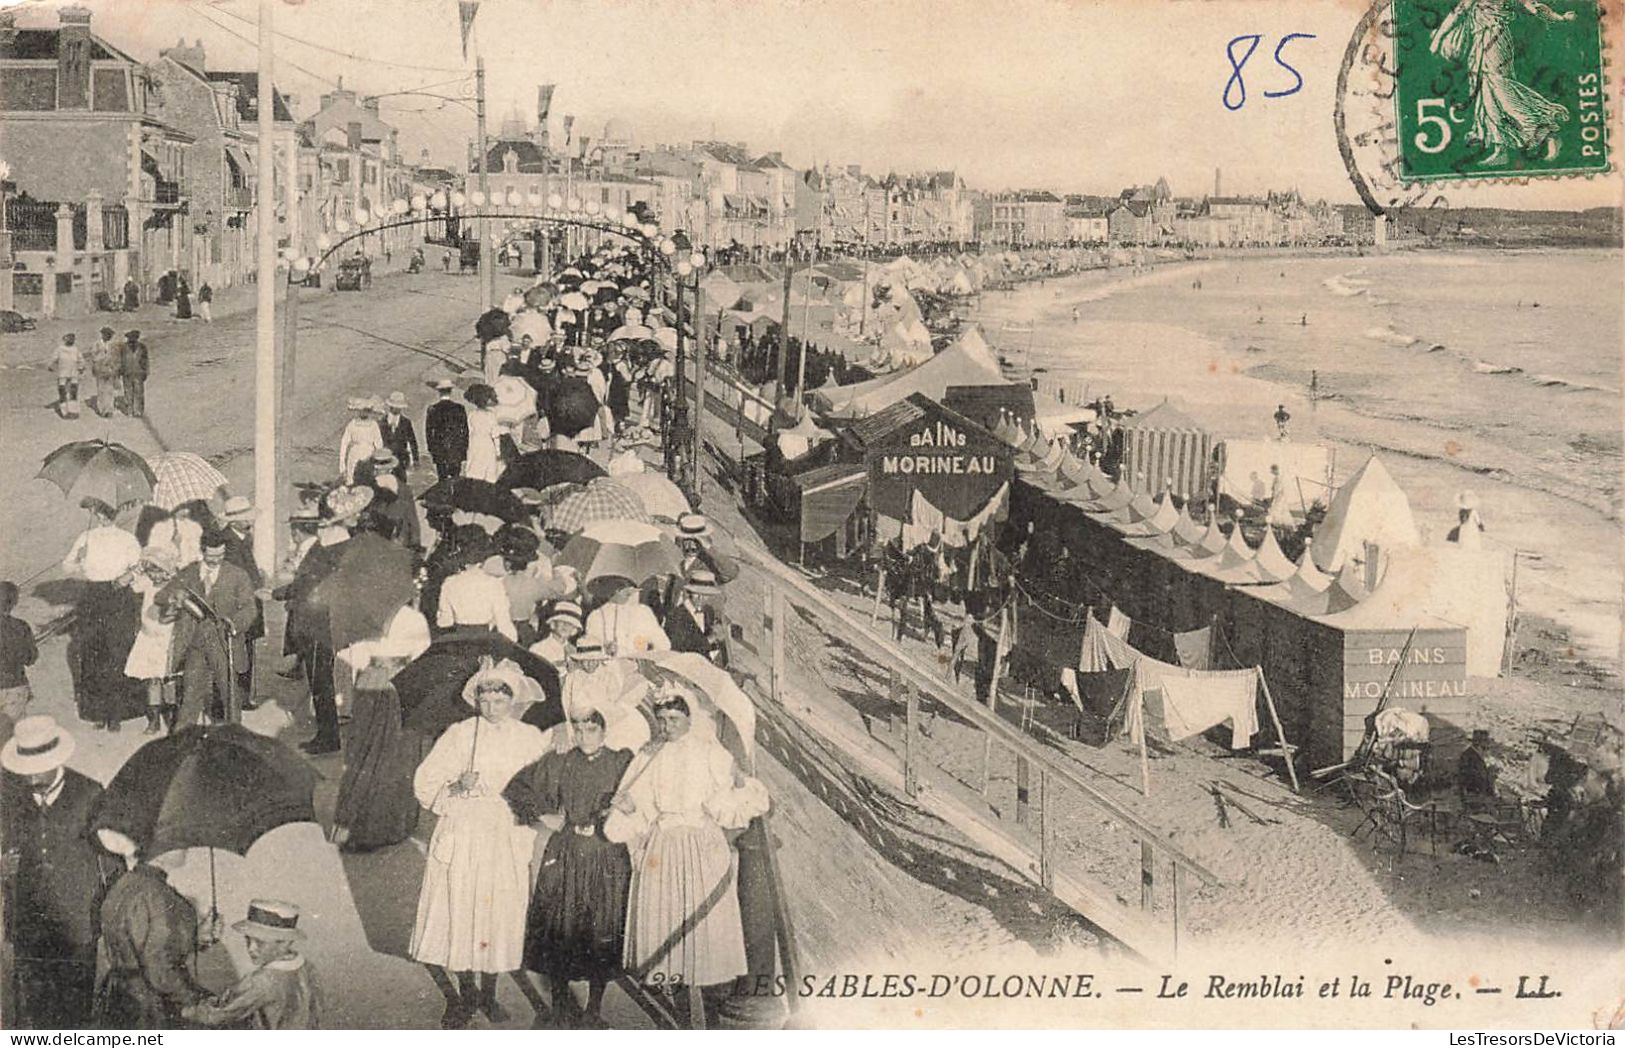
point(281, 992)
point(152, 659)
point(17, 651)
point(69, 365)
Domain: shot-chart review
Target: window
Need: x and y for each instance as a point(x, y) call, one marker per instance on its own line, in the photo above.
point(24, 88)
point(344, 170)
point(110, 91)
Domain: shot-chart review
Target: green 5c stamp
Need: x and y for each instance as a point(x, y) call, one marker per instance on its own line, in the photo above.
point(1499, 88)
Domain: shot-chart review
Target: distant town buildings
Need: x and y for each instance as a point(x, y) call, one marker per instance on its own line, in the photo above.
point(122, 169)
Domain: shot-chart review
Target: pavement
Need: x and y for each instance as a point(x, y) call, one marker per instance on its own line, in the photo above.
point(404, 332)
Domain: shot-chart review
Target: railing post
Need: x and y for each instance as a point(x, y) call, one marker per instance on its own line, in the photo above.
point(1046, 833)
point(1173, 888)
point(778, 644)
point(1147, 875)
point(911, 723)
point(1023, 792)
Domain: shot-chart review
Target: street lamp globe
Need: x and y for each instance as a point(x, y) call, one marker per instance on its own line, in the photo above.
point(534, 198)
point(651, 230)
point(342, 226)
point(362, 217)
point(668, 246)
point(302, 264)
point(439, 198)
point(575, 205)
point(592, 207)
point(419, 202)
point(477, 198)
point(696, 260)
point(458, 198)
point(554, 201)
point(399, 207)
point(323, 242)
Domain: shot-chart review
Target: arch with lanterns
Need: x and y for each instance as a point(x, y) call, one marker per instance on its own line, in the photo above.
point(532, 209)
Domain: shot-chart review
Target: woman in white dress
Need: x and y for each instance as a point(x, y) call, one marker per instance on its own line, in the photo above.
point(361, 436)
point(476, 876)
point(484, 461)
point(673, 806)
point(152, 657)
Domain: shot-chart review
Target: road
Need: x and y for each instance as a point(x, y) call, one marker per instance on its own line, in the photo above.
point(404, 332)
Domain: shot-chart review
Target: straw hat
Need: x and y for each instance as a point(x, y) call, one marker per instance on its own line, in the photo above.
point(38, 744)
point(271, 919)
point(569, 611)
point(444, 385)
point(164, 558)
point(397, 400)
point(238, 507)
point(359, 404)
point(693, 526)
point(384, 459)
point(702, 582)
point(589, 649)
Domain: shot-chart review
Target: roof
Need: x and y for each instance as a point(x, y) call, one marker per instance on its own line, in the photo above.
point(1041, 196)
point(772, 161)
point(823, 475)
point(967, 362)
point(531, 158)
point(1135, 207)
point(871, 428)
point(1163, 416)
point(42, 43)
point(1369, 507)
point(1250, 201)
point(248, 86)
point(726, 152)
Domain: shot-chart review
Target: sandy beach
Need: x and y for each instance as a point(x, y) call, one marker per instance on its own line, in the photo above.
point(1496, 373)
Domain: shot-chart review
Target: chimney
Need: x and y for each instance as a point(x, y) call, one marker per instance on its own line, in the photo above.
point(73, 58)
point(292, 102)
point(188, 56)
point(353, 134)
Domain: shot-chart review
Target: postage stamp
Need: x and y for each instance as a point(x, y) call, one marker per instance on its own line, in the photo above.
point(1499, 88)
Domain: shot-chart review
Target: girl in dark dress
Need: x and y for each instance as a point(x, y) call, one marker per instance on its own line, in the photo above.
point(183, 299)
point(577, 916)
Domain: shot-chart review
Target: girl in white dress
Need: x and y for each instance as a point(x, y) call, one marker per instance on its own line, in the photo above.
point(675, 801)
point(152, 658)
point(361, 437)
point(476, 876)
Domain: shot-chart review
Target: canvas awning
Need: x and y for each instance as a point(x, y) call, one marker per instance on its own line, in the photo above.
point(829, 496)
point(240, 156)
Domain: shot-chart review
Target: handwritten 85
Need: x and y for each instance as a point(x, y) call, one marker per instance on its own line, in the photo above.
point(1235, 88)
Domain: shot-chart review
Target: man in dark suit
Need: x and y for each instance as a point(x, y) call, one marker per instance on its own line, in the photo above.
point(218, 607)
point(399, 436)
point(695, 622)
point(445, 431)
point(239, 534)
point(54, 877)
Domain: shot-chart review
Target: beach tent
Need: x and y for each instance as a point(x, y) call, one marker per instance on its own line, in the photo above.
point(965, 363)
point(1368, 508)
point(720, 291)
point(1166, 445)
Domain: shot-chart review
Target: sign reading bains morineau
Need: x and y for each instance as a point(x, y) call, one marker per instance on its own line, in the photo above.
point(952, 462)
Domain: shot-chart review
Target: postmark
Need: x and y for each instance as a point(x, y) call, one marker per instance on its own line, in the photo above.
point(1439, 93)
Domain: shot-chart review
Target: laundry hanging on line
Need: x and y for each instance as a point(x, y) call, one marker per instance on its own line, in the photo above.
point(1118, 624)
point(1192, 705)
point(1195, 648)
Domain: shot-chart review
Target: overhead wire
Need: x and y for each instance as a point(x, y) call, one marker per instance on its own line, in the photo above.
point(335, 51)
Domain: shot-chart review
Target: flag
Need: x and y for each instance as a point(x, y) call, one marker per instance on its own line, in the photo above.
point(466, 10)
point(569, 121)
point(544, 102)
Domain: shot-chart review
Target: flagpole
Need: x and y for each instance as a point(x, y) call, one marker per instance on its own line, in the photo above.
point(487, 269)
point(265, 370)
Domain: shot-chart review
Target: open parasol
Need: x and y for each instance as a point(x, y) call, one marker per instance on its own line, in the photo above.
point(99, 469)
point(431, 685)
point(371, 582)
point(547, 467)
point(660, 497)
point(574, 300)
point(718, 694)
point(476, 496)
point(601, 499)
point(620, 549)
point(183, 476)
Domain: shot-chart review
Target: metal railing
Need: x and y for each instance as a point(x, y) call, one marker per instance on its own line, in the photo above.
point(166, 192)
point(239, 198)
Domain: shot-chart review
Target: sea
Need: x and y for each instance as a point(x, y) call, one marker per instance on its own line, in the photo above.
point(1495, 373)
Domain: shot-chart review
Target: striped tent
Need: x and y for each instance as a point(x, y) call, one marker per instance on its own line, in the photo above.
point(1166, 446)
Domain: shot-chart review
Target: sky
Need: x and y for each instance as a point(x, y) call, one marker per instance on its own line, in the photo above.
point(1069, 95)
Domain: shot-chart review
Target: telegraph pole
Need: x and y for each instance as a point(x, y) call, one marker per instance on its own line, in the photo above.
point(265, 369)
point(487, 269)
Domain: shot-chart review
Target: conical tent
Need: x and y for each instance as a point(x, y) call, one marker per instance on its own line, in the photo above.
point(1368, 508)
point(962, 364)
point(1271, 563)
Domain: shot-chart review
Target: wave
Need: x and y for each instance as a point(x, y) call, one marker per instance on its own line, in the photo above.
point(1571, 384)
point(1345, 285)
point(1488, 367)
point(1389, 335)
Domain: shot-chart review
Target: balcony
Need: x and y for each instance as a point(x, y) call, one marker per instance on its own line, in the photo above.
point(239, 198)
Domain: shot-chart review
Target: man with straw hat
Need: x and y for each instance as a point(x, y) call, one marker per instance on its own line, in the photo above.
point(445, 431)
point(564, 624)
point(53, 876)
point(695, 624)
point(399, 436)
point(281, 992)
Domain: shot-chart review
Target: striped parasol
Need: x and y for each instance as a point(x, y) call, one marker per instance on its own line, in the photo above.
point(620, 549)
point(601, 499)
point(184, 476)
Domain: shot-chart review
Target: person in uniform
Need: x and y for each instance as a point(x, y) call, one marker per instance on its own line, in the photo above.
point(149, 931)
point(53, 876)
point(281, 993)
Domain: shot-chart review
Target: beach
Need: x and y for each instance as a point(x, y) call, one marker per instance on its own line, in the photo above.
point(1496, 373)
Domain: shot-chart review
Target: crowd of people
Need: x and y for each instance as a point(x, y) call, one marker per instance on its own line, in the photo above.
point(566, 848)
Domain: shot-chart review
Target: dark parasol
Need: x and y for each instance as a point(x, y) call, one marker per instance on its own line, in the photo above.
point(431, 685)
